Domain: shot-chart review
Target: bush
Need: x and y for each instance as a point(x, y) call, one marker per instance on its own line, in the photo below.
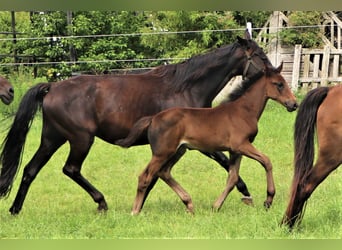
point(309, 37)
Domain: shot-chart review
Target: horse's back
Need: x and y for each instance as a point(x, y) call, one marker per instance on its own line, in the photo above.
point(329, 122)
point(106, 106)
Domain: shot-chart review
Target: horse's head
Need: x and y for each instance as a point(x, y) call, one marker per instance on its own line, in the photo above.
point(6, 91)
point(254, 58)
point(278, 89)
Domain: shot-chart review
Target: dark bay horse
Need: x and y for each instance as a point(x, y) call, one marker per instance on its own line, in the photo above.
point(320, 110)
point(80, 108)
point(6, 91)
point(231, 126)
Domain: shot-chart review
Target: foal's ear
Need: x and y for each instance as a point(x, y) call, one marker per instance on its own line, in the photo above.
point(280, 67)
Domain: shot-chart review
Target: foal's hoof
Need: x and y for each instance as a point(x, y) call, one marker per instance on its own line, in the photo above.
point(248, 200)
point(134, 213)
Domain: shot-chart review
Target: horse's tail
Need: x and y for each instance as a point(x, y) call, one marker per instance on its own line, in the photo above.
point(304, 140)
point(13, 145)
point(136, 132)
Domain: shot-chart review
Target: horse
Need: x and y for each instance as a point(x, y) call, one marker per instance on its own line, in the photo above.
point(77, 109)
point(230, 126)
point(6, 91)
point(320, 110)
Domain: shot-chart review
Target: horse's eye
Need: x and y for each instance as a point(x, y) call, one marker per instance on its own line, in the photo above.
point(280, 85)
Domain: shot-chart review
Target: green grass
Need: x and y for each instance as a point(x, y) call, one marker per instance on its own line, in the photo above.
point(57, 208)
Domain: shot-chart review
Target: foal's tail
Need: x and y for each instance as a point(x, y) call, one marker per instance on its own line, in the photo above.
point(305, 125)
point(13, 145)
point(136, 132)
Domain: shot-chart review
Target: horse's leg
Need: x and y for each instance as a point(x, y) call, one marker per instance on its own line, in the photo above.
point(250, 151)
point(46, 149)
point(241, 186)
point(79, 149)
point(233, 178)
point(318, 173)
point(165, 175)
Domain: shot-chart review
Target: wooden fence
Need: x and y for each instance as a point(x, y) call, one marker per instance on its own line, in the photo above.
point(316, 67)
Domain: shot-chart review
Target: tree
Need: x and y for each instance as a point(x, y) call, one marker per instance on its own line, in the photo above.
point(309, 37)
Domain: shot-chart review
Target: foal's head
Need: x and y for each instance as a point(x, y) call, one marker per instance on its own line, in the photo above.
point(278, 89)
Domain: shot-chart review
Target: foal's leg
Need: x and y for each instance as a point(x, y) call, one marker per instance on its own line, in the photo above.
point(79, 149)
point(165, 175)
point(47, 148)
point(145, 179)
point(222, 159)
point(232, 180)
point(250, 151)
point(167, 166)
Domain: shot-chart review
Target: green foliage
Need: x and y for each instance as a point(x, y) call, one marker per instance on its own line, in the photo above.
point(309, 37)
point(118, 39)
point(115, 39)
point(184, 45)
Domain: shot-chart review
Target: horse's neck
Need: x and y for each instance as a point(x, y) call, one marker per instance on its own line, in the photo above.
point(205, 92)
point(210, 76)
point(253, 101)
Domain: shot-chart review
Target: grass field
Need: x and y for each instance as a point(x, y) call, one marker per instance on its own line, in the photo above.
point(56, 208)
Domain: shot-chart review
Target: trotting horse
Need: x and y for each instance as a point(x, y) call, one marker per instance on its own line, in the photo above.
point(6, 91)
point(320, 110)
point(231, 126)
point(80, 108)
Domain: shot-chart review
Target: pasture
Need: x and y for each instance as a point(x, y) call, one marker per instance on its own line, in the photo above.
point(57, 208)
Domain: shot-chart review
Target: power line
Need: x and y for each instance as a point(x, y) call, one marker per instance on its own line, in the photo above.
point(155, 33)
point(95, 61)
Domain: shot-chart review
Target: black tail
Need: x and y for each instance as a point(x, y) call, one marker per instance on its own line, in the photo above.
point(135, 133)
point(13, 144)
point(305, 126)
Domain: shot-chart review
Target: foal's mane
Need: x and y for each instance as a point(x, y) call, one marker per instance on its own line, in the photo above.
point(242, 87)
point(183, 75)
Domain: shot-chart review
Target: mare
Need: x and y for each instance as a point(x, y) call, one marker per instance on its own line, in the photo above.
point(319, 111)
point(231, 126)
point(77, 109)
point(6, 91)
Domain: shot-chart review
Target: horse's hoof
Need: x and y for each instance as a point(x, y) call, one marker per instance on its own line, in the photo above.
point(248, 200)
point(102, 207)
point(267, 205)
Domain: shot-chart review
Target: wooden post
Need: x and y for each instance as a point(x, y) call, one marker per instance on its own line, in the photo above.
point(325, 66)
point(296, 67)
point(14, 39)
point(72, 50)
point(273, 43)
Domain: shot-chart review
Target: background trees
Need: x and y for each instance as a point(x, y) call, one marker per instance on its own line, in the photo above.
point(56, 44)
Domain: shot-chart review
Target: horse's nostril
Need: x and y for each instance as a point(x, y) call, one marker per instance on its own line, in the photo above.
point(11, 90)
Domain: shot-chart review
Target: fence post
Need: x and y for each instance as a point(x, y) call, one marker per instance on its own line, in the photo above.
point(325, 66)
point(296, 67)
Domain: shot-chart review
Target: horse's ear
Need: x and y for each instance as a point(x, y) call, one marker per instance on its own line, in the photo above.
point(247, 35)
point(242, 41)
point(280, 67)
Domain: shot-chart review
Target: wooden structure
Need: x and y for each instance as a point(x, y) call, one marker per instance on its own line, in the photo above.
point(306, 68)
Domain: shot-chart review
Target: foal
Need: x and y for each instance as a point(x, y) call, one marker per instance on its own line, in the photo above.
point(231, 126)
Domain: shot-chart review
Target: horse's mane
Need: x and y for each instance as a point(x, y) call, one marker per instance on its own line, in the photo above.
point(183, 75)
point(242, 87)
